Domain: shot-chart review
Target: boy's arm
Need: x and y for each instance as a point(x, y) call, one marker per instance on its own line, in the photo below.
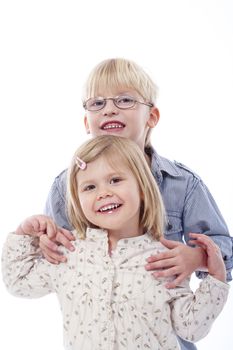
point(179, 261)
point(201, 215)
point(55, 206)
point(56, 209)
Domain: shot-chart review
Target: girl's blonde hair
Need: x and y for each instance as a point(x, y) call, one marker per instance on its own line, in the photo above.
point(117, 151)
point(121, 73)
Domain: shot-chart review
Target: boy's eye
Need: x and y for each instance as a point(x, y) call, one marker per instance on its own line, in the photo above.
point(115, 180)
point(89, 188)
point(125, 101)
point(96, 103)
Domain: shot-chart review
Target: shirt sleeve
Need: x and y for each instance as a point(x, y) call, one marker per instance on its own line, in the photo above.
point(55, 206)
point(25, 273)
point(193, 314)
point(202, 215)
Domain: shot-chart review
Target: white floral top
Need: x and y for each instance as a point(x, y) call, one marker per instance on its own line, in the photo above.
point(113, 302)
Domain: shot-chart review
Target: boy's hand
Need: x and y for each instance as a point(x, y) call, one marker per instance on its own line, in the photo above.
point(215, 263)
point(49, 244)
point(179, 261)
point(50, 236)
point(36, 226)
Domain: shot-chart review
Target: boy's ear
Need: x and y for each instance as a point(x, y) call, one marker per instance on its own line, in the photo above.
point(154, 117)
point(86, 125)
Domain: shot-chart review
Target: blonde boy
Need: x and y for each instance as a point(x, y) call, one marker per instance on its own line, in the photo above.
point(120, 99)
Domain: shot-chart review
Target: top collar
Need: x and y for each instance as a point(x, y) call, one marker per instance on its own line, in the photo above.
point(161, 165)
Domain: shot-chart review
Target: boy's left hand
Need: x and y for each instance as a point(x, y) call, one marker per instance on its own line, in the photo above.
point(179, 261)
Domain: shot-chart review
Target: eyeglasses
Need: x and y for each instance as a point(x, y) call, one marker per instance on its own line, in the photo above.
point(121, 102)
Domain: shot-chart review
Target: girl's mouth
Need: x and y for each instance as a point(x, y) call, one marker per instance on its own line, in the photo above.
point(109, 208)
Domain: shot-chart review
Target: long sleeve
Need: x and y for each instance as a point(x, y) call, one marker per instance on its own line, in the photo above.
point(55, 206)
point(194, 313)
point(25, 273)
point(201, 214)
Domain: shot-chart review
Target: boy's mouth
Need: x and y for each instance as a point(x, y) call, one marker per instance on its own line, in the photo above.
point(110, 125)
point(109, 208)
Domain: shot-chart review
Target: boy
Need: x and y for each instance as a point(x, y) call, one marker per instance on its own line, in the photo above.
point(120, 99)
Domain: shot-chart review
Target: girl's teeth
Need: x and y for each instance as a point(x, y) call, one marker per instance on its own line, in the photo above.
point(109, 207)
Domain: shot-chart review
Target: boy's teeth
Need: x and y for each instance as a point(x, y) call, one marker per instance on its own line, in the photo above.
point(113, 126)
point(109, 207)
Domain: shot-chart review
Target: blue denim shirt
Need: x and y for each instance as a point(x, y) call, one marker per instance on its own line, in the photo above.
point(189, 205)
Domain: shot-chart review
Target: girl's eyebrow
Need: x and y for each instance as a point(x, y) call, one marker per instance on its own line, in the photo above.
point(93, 180)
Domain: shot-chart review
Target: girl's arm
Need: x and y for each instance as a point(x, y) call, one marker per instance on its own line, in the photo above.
point(194, 314)
point(25, 272)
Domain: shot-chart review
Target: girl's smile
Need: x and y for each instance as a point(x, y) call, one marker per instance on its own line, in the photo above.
point(110, 198)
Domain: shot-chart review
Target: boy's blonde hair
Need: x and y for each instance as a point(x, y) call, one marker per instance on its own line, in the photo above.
point(118, 152)
point(121, 73)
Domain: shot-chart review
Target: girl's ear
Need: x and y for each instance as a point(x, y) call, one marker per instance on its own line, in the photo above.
point(154, 117)
point(86, 125)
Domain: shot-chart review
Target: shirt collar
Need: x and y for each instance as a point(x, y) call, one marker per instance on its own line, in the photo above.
point(161, 165)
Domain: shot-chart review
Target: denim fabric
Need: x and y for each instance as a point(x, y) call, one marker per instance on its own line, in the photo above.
point(189, 205)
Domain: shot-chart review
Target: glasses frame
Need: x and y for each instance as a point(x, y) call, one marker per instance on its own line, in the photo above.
point(114, 99)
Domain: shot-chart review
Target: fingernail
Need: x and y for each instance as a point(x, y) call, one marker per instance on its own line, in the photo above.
point(72, 248)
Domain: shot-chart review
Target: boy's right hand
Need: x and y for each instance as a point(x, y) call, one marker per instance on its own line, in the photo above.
point(49, 244)
point(50, 236)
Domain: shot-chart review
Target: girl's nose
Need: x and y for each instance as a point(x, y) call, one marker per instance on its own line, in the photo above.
point(103, 195)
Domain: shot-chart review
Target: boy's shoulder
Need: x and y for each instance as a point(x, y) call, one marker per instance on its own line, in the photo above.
point(62, 176)
point(185, 169)
point(173, 167)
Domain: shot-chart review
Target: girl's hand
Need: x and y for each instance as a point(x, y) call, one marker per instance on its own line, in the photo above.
point(215, 263)
point(50, 236)
point(180, 261)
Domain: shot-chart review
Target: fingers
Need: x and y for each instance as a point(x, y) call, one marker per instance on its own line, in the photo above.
point(63, 237)
point(50, 250)
point(50, 241)
point(205, 242)
point(160, 264)
point(176, 282)
point(161, 256)
point(169, 244)
point(69, 235)
point(51, 260)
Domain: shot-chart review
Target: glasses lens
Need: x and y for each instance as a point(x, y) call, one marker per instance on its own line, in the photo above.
point(125, 102)
point(95, 104)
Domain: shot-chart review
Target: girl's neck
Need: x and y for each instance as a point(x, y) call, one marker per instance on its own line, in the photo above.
point(114, 236)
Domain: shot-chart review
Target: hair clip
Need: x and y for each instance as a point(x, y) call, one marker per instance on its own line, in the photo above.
point(80, 163)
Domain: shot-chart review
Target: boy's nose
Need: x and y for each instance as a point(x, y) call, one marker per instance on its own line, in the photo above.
point(110, 109)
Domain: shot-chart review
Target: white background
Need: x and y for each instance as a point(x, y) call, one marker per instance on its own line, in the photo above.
point(47, 50)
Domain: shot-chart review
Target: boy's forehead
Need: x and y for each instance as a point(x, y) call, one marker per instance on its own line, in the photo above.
point(115, 91)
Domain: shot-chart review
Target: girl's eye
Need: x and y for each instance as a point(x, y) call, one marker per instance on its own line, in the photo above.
point(89, 188)
point(115, 180)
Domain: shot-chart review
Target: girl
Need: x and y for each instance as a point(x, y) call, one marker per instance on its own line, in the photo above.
point(108, 299)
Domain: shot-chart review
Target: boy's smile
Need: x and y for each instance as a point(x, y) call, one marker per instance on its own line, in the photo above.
point(132, 123)
point(110, 197)
point(112, 125)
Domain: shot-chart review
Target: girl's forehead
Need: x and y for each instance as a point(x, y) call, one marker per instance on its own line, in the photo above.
point(110, 163)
